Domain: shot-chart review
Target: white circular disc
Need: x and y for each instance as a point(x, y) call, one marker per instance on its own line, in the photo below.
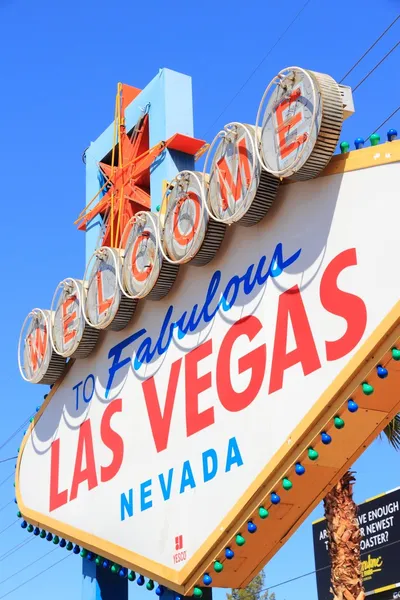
point(290, 121)
point(38, 362)
point(184, 219)
point(235, 173)
point(103, 296)
point(143, 259)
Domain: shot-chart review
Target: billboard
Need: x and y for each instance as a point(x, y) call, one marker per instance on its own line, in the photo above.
point(216, 373)
point(379, 520)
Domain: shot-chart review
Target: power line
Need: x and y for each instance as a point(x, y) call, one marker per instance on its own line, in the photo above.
point(258, 66)
point(27, 566)
point(369, 49)
point(318, 570)
point(16, 547)
point(16, 432)
point(7, 459)
point(8, 526)
point(384, 122)
point(34, 577)
point(375, 67)
point(5, 505)
point(7, 478)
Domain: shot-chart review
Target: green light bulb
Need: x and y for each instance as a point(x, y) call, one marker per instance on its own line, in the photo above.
point(344, 147)
point(395, 354)
point(287, 484)
point(150, 585)
point(115, 568)
point(262, 512)
point(240, 540)
point(367, 389)
point(84, 553)
point(197, 592)
point(312, 454)
point(375, 139)
point(218, 566)
point(131, 575)
point(338, 422)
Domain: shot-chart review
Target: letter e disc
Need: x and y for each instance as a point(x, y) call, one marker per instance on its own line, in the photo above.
point(105, 305)
point(38, 362)
point(144, 272)
point(71, 335)
point(188, 234)
point(239, 191)
point(299, 123)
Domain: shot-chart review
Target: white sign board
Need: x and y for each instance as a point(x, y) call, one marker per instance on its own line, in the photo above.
point(151, 441)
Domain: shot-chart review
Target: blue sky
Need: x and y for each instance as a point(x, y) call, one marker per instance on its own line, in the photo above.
point(59, 69)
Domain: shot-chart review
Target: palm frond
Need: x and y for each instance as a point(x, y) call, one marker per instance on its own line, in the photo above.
point(392, 432)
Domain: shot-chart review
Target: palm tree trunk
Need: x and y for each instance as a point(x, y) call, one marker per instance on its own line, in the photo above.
point(344, 538)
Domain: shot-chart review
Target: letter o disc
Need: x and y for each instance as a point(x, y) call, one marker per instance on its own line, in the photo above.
point(105, 305)
point(299, 123)
point(71, 335)
point(239, 191)
point(38, 362)
point(188, 234)
point(144, 272)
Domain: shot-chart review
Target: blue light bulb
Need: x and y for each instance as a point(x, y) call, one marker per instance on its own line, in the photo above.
point(24, 524)
point(251, 527)
point(275, 499)
point(391, 135)
point(352, 406)
point(90, 556)
point(123, 572)
point(159, 590)
point(38, 408)
point(381, 372)
point(140, 580)
point(36, 531)
point(300, 470)
point(49, 537)
point(106, 564)
point(359, 143)
point(229, 553)
point(325, 438)
point(207, 580)
point(76, 549)
point(63, 543)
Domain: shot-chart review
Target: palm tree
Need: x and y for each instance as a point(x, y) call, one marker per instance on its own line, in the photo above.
point(343, 530)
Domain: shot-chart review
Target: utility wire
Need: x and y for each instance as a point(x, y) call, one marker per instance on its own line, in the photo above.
point(318, 570)
point(7, 459)
point(369, 49)
point(375, 67)
point(8, 526)
point(258, 66)
point(34, 577)
point(5, 505)
point(7, 478)
point(16, 431)
point(384, 122)
point(27, 566)
point(16, 547)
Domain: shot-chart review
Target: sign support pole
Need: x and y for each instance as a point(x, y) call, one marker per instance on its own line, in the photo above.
point(101, 584)
point(169, 97)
